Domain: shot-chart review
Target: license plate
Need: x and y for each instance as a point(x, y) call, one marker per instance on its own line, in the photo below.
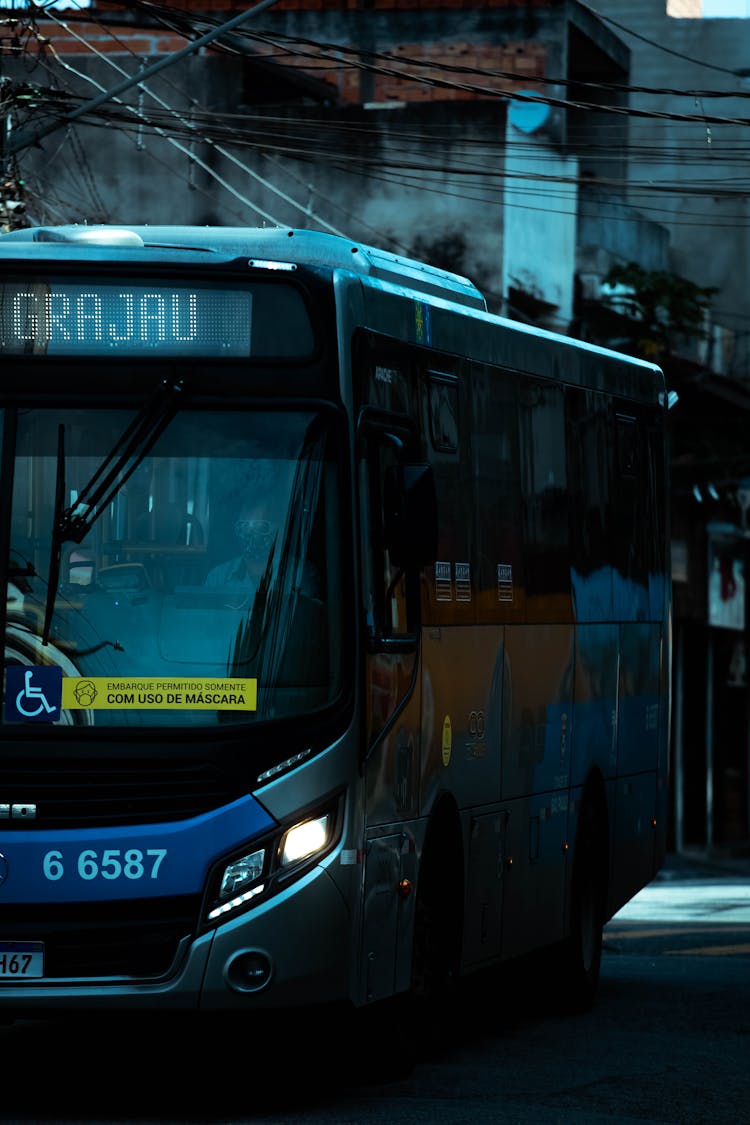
point(21, 960)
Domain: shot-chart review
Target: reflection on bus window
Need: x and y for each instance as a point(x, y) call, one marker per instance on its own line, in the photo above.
point(218, 557)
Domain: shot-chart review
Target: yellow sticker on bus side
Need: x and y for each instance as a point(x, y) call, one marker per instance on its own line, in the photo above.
point(447, 745)
point(142, 693)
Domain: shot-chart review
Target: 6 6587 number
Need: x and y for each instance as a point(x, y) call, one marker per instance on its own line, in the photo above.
point(112, 863)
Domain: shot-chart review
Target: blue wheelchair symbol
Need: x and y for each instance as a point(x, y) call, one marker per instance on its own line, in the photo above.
point(33, 694)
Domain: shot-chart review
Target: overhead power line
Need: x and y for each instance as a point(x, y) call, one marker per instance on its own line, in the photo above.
point(301, 48)
point(408, 69)
point(417, 175)
point(33, 136)
point(186, 22)
point(193, 131)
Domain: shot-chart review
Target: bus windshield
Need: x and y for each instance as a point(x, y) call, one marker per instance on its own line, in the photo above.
point(204, 590)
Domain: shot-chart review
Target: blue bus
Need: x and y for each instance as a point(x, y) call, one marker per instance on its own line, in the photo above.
point(337, 627)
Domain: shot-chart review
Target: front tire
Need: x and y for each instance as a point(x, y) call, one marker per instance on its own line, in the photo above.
point(438, 930)
point(393, 1034)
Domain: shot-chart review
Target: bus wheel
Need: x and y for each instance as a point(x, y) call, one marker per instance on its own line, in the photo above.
point(438, 931)
point(395, 1033)
point(582, 951)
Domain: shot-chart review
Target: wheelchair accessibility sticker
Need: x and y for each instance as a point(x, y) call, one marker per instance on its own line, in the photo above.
point(39, 694)
point(33, 695)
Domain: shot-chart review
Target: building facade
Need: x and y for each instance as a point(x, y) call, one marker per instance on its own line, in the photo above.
point(528, 144)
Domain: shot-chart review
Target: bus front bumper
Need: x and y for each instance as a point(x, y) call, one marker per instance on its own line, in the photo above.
point(293, 950)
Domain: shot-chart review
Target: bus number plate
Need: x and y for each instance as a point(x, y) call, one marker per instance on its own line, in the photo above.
point(21, 960)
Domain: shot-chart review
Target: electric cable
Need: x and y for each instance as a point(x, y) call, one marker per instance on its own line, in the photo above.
point(307, 211)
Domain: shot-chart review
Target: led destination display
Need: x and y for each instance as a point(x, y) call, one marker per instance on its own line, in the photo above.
point(59, 318)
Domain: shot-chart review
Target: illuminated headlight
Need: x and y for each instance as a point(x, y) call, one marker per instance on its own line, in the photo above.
point(305, 839)
point(245, 879)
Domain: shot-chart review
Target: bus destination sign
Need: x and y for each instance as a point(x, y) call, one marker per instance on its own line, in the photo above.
point(45, 316)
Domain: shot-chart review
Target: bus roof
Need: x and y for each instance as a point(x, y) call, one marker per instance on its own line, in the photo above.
point(271, 244)
point(525, 346)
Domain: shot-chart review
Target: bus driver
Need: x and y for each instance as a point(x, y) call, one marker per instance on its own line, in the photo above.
point(256, 535)
point(259, 533)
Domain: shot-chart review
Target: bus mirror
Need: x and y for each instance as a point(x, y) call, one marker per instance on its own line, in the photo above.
point(411, 523)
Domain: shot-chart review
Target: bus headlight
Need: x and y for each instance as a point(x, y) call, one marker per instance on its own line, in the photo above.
point(241, 873)
point(241, 881)
point(305, 839)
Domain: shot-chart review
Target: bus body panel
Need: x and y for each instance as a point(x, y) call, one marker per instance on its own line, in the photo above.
point(391, 861)
point(594, 733)
point(639, 698)
point(391, 771)
point(634, 815)
point(535, 872)
point(463, 715)
point(106, 864)
point(536, 757)
point(487, 872)
point(304, 933)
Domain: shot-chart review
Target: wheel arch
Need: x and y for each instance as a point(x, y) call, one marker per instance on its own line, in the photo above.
point(592, 836)
point(443, 845)
point(440, 883)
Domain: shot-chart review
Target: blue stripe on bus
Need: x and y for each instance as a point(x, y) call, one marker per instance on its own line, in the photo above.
point(107, 864)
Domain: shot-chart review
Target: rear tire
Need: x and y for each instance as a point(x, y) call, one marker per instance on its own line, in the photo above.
point(581, 954)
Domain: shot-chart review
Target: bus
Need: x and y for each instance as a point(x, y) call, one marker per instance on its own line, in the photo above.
point(337, 627)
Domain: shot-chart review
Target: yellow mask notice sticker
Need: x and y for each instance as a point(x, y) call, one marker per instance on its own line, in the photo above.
point(100, 693)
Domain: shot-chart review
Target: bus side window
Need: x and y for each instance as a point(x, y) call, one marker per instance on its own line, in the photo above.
point(496, 473)
point(451, 589)
point(544, 486)
point(592, 471)
point(393, 581)
point(443, 412)
point(387, 607)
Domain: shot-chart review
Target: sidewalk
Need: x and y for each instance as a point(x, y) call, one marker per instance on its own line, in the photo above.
point(719, 863)
point(693, 890)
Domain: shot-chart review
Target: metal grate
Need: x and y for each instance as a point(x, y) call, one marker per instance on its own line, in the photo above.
point(83, 940)
point(105, 793)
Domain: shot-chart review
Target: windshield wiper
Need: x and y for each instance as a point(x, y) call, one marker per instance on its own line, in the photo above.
point(56, 549)
point(73, 524)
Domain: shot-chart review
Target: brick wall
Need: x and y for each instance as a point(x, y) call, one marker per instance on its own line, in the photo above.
point(232, 6)
point(109, 40)
point(353, 81)
point(526, 60)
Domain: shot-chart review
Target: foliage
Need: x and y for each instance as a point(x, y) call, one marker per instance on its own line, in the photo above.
point(663, 306)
